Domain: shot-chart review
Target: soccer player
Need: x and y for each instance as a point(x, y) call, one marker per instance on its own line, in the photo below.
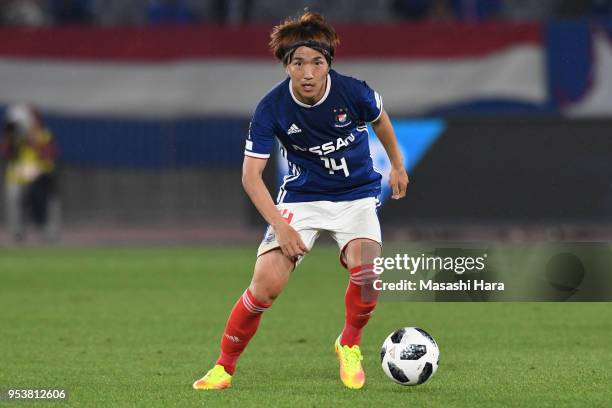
point(319, 117)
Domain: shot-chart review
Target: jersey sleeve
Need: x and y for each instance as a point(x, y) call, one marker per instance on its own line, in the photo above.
point(260, 140)
point(369, 103)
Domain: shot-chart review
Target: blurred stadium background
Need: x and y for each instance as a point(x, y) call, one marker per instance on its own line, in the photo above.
point(503, 109)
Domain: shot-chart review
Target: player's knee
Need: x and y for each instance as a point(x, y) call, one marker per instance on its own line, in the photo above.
point(267, 299)
point(271, 297)
point(361, 252)
point(265, 294)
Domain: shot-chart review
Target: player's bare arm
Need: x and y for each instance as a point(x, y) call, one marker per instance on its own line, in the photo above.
point(291, 243)
point(398, 178)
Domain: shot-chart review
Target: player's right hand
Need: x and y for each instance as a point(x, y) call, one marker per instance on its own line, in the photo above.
point(290, 241)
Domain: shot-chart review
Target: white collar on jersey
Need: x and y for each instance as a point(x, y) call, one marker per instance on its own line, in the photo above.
point(304, 105)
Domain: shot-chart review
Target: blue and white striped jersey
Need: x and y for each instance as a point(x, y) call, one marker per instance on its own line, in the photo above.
point(325, 144)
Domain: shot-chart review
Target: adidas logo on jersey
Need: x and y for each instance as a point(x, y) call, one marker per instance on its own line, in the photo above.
point(293, 129)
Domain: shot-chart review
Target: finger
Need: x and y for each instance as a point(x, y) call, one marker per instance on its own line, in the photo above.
point(395, 188)
point(299, 247)
point(292, 258)
point(403, 187)
point(294, 249)
point(303, 246)
point(285, 250)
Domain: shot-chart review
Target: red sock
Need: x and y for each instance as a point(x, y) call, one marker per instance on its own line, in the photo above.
point(360, 301)
point(241, 327)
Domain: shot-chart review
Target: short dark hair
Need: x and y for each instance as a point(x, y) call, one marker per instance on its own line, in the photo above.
point(310, 29)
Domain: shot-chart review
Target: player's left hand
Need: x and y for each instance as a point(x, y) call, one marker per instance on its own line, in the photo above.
point(398, 180)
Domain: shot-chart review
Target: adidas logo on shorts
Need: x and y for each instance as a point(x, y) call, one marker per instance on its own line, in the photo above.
point(293, 129)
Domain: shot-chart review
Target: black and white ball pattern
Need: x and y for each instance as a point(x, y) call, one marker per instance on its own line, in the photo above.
point(410, 356)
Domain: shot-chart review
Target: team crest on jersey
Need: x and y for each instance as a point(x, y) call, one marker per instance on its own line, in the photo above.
point(341, 118)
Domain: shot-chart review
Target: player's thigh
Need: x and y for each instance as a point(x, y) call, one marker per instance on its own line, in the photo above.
point(271, 274)
point(357, 232)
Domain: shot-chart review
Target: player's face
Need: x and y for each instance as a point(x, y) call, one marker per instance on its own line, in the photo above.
point(308, 71)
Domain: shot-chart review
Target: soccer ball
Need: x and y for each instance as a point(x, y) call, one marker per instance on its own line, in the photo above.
point(409, 356)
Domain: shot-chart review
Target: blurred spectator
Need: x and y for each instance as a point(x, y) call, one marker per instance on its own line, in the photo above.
point(137, 12)
point(28, 13)
point(528, 10)
point(463, 10)
point(421, 9)
point(71, 11)
point(29, 153)
point(601, 8)
point(412, 9)
point(169, 12)
point(588, 8)
point(233, 11)
point(573, 8)
point(476, 10)
point(120, 12)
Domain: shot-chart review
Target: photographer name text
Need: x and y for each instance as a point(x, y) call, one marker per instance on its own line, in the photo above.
point(430, 285)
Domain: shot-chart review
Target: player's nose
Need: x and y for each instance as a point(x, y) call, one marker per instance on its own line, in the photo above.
point(308, 73)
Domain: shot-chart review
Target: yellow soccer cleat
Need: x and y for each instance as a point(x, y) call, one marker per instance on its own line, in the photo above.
point(215, 379)
point(351, 371)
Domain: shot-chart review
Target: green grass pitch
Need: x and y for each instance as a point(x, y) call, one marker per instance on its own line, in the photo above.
point(135, 327)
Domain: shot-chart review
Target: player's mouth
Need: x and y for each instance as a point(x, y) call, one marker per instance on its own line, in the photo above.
point(308, 87)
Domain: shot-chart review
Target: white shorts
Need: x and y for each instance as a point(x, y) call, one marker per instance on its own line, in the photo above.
point(344, 220)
